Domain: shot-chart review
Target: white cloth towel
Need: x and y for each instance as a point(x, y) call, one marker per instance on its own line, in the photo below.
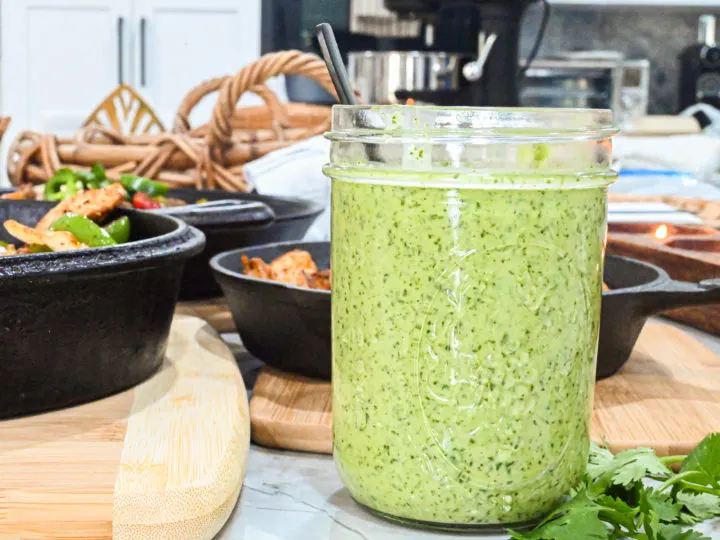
point(296, 171)
point(695, 154)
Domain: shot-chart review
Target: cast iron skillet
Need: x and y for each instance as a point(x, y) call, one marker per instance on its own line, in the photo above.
point(281, 219)
point(290, 219)
point(289, 328)
point(80, 325)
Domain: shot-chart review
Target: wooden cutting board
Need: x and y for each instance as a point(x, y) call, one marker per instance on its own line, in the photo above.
point(165, 459)
point(214, 311)
point(667, 397)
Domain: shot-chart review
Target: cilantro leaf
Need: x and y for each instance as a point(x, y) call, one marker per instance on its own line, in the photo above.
point(617, 512)
point(577, 518)
point(687, 518)
point(666, 510)
point(612, 502)
point(657, 508)
point(599, 460)
point(705, 460)
point(700, 505)
point(581, 523)
point(633, 465)
point(649, 518)
point(675, 532)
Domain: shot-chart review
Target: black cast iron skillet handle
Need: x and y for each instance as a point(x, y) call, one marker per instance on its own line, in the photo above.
point(639, 290)
point(223, 212)
point(671, 294)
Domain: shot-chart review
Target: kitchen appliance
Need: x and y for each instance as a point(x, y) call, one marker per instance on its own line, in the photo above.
point(491, 77)
point(474, 43)
point(377, 76)
point(700, 67)
point(606, 81)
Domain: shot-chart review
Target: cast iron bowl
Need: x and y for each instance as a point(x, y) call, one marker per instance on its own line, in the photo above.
point(286, 219)
point(285, 326)
point(289, 328)
point(80, 325)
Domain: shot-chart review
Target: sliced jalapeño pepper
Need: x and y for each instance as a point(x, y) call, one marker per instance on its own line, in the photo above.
point(84, 230)
point(119, 229)
point(62, 185)
point(134, 184)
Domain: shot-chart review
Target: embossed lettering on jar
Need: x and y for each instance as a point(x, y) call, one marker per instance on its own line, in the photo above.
point(467, 269)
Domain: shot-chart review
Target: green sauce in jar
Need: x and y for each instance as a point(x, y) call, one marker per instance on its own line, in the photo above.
point(465, 323)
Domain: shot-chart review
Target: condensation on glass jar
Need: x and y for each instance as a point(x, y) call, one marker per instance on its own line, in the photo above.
point(467, 249)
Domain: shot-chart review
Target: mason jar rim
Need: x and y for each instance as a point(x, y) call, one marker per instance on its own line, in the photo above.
point(411, 123)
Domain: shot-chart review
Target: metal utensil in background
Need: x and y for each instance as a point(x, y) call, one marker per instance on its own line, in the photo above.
point(378, 75)
point(334, 63)
point(472, 71)
point(241, 211)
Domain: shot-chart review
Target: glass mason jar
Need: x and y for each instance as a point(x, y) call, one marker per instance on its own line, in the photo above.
point(467, 256)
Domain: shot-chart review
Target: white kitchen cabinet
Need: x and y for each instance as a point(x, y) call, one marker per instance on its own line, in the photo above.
point(60, 58)
point(182, 42)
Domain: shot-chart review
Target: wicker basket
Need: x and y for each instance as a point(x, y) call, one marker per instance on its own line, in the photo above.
point(207, 156)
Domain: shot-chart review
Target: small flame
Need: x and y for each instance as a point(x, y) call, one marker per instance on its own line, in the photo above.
point(661, 232)
point(409, 101)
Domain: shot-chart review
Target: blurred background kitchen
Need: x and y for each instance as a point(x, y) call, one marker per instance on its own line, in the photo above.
point(655, 63)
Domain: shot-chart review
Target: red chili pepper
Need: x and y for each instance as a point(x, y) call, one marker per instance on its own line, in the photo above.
point(143, 201)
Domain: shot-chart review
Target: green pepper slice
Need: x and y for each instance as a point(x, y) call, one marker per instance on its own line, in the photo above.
point(84, 230)
point(62, 185)
point(133, 184)
point(98, 172)
point(119, 229)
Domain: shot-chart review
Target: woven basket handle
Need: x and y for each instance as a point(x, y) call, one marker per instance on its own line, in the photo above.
point(181, 122)
point(268, 66)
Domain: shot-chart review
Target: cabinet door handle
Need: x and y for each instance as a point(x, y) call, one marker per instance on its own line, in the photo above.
point(120, 46)
point(143, 24)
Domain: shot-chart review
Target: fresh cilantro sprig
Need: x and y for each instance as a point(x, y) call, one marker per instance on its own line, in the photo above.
point(635, 494)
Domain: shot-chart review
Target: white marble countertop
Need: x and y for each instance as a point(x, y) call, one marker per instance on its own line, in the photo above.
point(299, 496)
